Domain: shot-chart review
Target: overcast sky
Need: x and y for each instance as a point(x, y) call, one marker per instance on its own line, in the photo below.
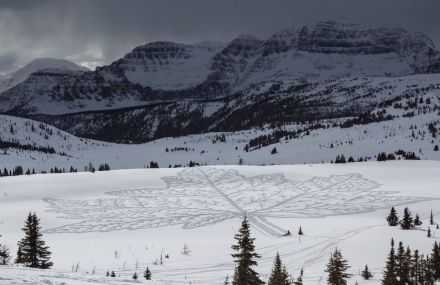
point(96, 32)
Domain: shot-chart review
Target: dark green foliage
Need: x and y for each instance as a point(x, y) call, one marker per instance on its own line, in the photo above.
point(245, 258)
point(366, 274)
point(300, 231)
point(337, 269)
point(32, 250)
point(340, 159)
point(389, 275)
point(299, 280)
point(147, 274)
point(407, 221)
point(417, 220)
point(279, 275)
point(393, 219)
point(5, 256)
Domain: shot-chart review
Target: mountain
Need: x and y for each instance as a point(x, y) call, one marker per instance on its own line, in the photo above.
point(323, 71)
point(55, 65)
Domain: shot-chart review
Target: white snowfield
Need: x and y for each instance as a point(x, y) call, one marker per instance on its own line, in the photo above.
point(124, 220)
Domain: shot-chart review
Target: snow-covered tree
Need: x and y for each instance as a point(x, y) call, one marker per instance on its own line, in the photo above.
point(337, 269)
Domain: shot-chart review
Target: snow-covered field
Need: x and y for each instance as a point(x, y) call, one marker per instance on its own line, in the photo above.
point(124, 220)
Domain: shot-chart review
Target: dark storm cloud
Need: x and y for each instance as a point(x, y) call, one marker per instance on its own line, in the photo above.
point(98, 31)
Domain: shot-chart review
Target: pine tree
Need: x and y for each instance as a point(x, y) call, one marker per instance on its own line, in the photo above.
point(337, 269)
point(431, 219)
point(226, 280)
point(5, 256)
point(407, 222)
point(389, 275)
point(300, 231)
point(135, 276)
point(113, 274)
point(417, 220)
point(279, 275)
point(245, 258)
point(393, 219)
point(435, 260)
point(147, 274)
point(32, 250)
point(366, 274)
point(429, 232)
point(299, 280)
point(402, 264)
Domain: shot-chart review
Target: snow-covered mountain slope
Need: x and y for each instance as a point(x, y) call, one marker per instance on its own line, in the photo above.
point(273, 104)
point(123, 221)
point(164, 71)
point(55, 65)
point(408, 122)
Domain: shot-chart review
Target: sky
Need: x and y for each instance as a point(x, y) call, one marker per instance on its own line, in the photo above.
point(97, 32)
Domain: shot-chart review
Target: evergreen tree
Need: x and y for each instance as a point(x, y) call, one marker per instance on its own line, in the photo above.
point(407, 222)
point(135, 276)
point(435, 260)
point(279, 275)
point(5, 256)
point(402, 264)
point(113, 274)
point(389, 275)
point(393, 219)
point(431, 219)
point(337, 269)
point(429, 232)
point(226, 280)
point(300, 232)
point(299, 280)
point(32, 250)
point(366, 274)
point(417, 221)
point(147, 274)
point(245, 258)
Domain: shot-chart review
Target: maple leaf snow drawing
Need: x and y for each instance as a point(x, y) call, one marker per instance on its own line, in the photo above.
point(203, 196)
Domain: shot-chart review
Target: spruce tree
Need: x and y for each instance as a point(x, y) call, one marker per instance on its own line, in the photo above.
point(366, 274)
point(431, 219)
point(300, 231)
point(429, 232)
point(393, 219)
point(417, 221)
point(435, 260)
point(407, 222)
point(32, 250)
point(389, 275)
point(245, 258)
point(299, 280)
point(135, 276)
point(5, 256)
point(279, 275)
point(147, 274)
point(337, 269)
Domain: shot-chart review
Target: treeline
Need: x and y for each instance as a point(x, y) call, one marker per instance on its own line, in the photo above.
point(29, 147)
point(19, 170)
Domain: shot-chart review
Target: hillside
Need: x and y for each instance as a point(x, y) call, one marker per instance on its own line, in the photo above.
point(409, 123)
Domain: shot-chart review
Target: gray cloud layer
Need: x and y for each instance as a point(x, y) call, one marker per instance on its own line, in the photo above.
point(94, 32)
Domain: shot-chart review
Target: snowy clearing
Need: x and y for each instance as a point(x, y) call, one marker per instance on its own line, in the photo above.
point(125, 220)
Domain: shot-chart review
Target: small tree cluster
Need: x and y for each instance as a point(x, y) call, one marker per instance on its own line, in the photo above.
point(408, 267)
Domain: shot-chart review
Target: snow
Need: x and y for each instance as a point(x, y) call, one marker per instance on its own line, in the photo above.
point(23, 73)
point(354, 216)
